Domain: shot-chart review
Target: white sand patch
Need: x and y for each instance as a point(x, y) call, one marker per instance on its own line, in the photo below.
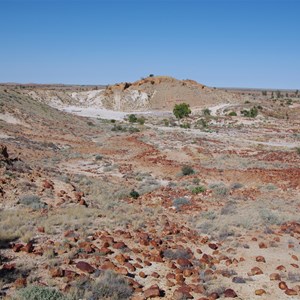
point(95, 112)
point(5, 136)
point(8, 118)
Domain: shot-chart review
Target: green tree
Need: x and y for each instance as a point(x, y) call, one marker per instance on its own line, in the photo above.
point(181, 110)
point(132, 118)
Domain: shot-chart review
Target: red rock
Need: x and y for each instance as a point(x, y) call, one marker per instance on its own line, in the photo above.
point(9, 267)
point(179, 278)
point(260, 292)
point(121, 270)
point(155, 275)
point(83, 202)
point(184, 262)
point(152, 292)
point(20, 283)
point(282, 285)
point(17, 247)
point(230, 293)
point(262, 245)
point(170, 276)
point(213, 246)
point(56, 272)
point(294, 257)
point(28, 247)
point(108, 266)
point(255, 271)
point(213, 296)
point(119, 245)
point(178, 295)
point(120, 258)
point(295, 266)
point(281, 268)
point(147, 263)
point(198, 288)
point(260, 259)
point(291, 292)
point(275, 276)
point(41, 229)
point(130, 267)
point(142, 275)
point(105, 251)
point(71, 275)
point(170, 283)
point(47, 184)
point(85, 267)
point(187, 272)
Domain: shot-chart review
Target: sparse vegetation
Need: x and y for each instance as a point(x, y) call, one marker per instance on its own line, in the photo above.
point(178, 202)
point(32, 201)
point(198, 189)
point(108, 285)
point(132, 118)
point(181, 110)
point(134, 194)
point(35, 292)
point(187, 170)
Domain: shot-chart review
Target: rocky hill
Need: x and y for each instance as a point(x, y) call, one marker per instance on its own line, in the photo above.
point(152, 93)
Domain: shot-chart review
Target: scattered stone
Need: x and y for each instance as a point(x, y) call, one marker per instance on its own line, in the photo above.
point(85, 267)
point(20, 283)
point(275, 276)
point(260, 259)
point(260, 292)
point(152, 292)
point(282, 285)
point(230, 293)
point(255, 271)
point(238, 280)
point(291, 292)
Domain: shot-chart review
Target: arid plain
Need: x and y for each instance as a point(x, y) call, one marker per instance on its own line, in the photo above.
point(104, 194)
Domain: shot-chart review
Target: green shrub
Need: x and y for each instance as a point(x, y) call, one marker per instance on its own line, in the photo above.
point(118, 128)
point(298, 150)
point(198, 189)
point(219, 189)
point(232, 114)
point(133, 130)
point(32, 201)
point(206, 112)
point(132, 118)
point(134, 194)
point(141, 120)
point(187, 170)
point(252, 113)
point(185, 125)
point(35, 292)
point(166, 122)
point(181, 110)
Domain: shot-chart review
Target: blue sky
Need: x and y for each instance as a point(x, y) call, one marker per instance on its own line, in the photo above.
point(237, 43)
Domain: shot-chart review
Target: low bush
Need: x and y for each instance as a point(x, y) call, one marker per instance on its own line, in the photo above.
point(198, 189)
point(132, 118)
point(32, 201)
point(134, 194)
point(178, 253)
point(108, 285)
point(178, 202)
point(35, 292)
point(187, 170)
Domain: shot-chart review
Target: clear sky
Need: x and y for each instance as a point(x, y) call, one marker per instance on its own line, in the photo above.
point(234, 43)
